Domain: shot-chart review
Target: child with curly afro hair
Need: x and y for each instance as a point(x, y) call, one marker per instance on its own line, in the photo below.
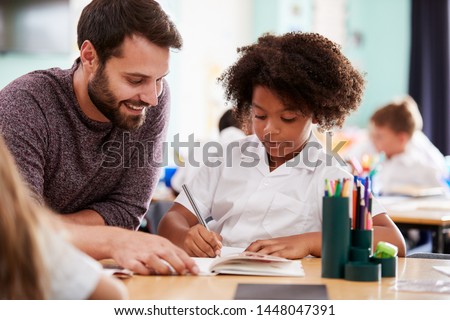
point(264, 194)
point(307, 72)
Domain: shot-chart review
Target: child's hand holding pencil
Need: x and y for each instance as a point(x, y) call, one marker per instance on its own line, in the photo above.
point(200, 241)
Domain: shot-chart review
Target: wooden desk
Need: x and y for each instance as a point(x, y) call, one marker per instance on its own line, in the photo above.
point(437, 222)
point(223, 287)
point(422, 213)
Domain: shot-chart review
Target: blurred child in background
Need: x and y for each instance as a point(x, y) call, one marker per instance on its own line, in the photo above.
point(407, 162)
point(410, 158)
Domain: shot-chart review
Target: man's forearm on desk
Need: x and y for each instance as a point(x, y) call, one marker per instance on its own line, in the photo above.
point(84, 217)
point(95, 241)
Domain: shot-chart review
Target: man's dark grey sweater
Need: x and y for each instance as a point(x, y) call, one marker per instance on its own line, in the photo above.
point(73, 163)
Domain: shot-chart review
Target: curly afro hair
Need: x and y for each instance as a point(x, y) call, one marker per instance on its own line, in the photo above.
point(306, 70)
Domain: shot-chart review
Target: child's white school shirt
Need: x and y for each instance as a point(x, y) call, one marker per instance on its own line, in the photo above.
point(73, 275)
point(247, 202)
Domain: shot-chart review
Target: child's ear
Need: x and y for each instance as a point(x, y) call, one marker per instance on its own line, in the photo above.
point(404, 138)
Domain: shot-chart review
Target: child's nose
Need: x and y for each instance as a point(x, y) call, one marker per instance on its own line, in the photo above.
point(271, 128)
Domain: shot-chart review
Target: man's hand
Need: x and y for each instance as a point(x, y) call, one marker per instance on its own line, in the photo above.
point(145, 253)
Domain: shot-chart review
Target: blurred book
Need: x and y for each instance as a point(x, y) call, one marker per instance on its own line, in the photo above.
point(407, 204)
point(437, 286)
point(443, 269)
point(413, 191)
point(112, 269)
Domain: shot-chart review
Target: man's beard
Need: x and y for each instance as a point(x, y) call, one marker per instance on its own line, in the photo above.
point(105, 101)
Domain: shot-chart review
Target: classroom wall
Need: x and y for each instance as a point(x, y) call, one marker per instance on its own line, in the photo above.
point(14, 64)
point(378, 34)
point(211, 30)
point(373, 34)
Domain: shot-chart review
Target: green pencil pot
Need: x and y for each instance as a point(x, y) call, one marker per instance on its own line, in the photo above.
point(388, 266)
point(362, 271)
point(335, 236)
point(361, 245)
point(359, 254)
point(362, 239)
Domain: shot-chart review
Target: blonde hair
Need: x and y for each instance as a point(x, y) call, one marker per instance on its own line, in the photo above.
point(401, 115)
point(22, 271)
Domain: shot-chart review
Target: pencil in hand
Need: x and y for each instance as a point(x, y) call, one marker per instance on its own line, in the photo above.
point(197, 212)
point(194, 206)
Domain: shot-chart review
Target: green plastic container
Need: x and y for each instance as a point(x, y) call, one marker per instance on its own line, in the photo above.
point(362, 239)
point(335, 236)
point(388, 266)
point(362, 271)
point(359, 254)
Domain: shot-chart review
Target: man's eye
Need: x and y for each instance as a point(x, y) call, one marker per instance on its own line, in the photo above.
point(135, 81)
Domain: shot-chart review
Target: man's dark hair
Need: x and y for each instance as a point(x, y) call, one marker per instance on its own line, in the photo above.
point(106, 23)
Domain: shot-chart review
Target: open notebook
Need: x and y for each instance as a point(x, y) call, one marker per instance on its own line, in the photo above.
point(235, 261)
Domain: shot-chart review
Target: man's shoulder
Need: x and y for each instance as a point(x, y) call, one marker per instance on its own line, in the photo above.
point(30, 100)
point(39, 89)
point(39, 81)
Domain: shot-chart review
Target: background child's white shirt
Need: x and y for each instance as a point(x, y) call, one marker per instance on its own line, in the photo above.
point(433, 156)
point(422, 164)
point(410, 168)
point(251, 203)
point(73, 275)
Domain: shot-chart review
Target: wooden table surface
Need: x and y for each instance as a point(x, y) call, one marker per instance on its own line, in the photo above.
point(222, 287)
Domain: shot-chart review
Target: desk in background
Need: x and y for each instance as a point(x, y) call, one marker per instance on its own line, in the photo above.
point(223, 287)
point(426, 213)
